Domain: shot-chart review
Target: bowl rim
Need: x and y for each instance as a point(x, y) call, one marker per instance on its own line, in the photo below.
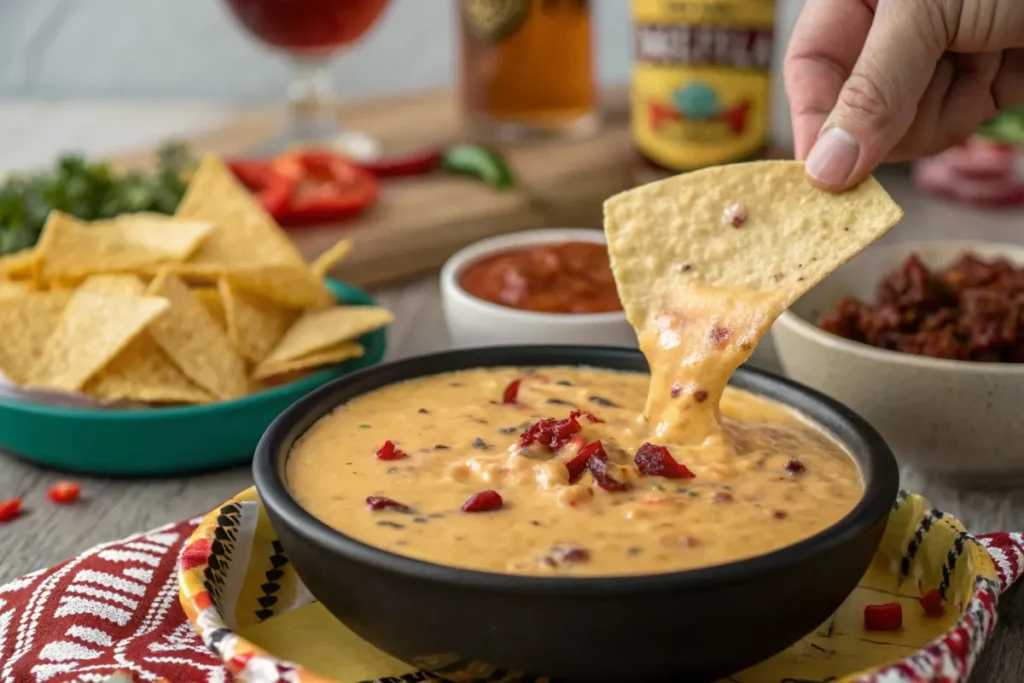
point(453, 267)
point(343, 293)
point(877, 466)
point(811, 332)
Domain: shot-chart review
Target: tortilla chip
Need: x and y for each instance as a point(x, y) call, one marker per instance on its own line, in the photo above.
point(288, 286)
point(323, 329)
point(673, 235)
point(209, 297)
point(254, 324)
point(330, 258)
point(244, 234)
point(329, 356)
point(29, 321)
point(194, 341)
point(70, 249)
point(20, 265)
point(142, 372)
point(12, 289)
point(92, 330)
point(127, 285)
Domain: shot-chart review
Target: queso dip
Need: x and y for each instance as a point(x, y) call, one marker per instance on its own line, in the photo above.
point(458, 434)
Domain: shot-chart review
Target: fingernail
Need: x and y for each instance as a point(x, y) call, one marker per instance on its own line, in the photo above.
point(832, 158)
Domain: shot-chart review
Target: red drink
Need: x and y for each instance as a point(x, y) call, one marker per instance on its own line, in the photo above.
point(307, 26)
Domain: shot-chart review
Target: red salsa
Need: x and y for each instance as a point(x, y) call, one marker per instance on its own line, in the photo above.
point(570, 277)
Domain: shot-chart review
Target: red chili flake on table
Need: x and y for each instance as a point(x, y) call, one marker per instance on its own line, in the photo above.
point(656, 461)
point(577, 465)
point(931, 602)
point(64, 492)
point(483, 501)
point(795, 467)
point(383, 503)
point(599, 469)
point(10, 510)
point(389, 452)
point(511, 393)
point(887, 617)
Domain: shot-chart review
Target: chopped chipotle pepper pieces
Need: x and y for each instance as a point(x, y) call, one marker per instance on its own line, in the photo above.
point(64, 492)
point(511, 393)
point(384, 503)
point(887, 617)
point(265, 183)
point(10, 510)
point(577, 464)
point(483, 501)
point(389, 452)
point(931, 602)
point(325, 187)
point(551, 434)
point(657, 461)
point(599, 469)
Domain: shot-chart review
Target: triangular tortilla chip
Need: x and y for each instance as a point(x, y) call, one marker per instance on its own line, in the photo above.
point(11, 289)
point(92, 331)
point(209, 297)
point(127, 285)
point(322, 329)
point(254, 324)
point(142, 372)
point(28, 321)
point(244, 234)
point(329, 356)
point(757, 227)
point(194, 341)
point(70, 249)
point(20, 265)
point(330, 258)
point(287, 285)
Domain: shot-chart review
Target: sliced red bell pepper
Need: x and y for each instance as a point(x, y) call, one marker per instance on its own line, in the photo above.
point(398, 166)
point(272, 189)
point(325, 187)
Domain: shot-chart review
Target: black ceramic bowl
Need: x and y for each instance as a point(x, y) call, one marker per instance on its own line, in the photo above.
point(692, 625)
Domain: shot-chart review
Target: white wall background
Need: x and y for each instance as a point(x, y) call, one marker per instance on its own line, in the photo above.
point(192, 49)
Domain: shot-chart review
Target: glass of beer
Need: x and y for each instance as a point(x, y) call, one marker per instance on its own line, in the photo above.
point(309, 33)
point(527, 69)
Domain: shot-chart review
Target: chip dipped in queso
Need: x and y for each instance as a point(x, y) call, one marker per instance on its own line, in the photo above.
point(585, 471)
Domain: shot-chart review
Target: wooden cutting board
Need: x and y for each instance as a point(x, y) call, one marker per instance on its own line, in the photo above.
point(420, 222)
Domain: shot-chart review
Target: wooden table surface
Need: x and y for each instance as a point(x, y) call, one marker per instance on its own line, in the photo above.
point(115, 508)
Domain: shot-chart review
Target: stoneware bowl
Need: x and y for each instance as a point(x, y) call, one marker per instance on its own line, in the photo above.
point(956, 420)
point(475, 322)
point(686, 625)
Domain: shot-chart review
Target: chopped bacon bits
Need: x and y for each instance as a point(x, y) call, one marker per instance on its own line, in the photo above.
point(483, 501)
point(64, 492)
point(577, 465)
point(656, 461)
point(931, 603)
point(887, 617)
point(10, 510)
point(389, 452)
point(511, 393)
point(383, 503)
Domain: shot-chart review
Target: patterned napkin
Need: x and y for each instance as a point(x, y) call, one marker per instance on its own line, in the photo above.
point(113, 613)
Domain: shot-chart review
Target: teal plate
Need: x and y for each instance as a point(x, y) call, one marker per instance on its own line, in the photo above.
point(165, 441)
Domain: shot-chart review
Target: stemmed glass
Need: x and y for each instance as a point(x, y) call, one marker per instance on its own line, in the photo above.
point(310, 32)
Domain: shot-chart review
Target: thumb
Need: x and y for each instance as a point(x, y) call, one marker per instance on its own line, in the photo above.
point(879, 100)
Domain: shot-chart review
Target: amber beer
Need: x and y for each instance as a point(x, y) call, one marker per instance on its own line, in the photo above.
point(526, 68)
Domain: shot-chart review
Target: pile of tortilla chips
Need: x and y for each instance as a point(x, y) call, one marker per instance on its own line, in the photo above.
point(211, 304)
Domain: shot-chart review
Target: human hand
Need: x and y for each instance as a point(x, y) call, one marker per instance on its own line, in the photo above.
point(888, 80)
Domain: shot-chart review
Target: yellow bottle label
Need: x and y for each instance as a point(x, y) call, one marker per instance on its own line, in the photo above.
point(700, 83)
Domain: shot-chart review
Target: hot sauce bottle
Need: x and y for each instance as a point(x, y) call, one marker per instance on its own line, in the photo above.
point(699, 90)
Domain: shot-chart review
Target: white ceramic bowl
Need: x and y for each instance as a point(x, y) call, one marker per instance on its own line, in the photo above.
point(957, 420)
point(474, 322)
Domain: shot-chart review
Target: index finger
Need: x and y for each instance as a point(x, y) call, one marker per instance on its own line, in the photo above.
point(827, 39)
